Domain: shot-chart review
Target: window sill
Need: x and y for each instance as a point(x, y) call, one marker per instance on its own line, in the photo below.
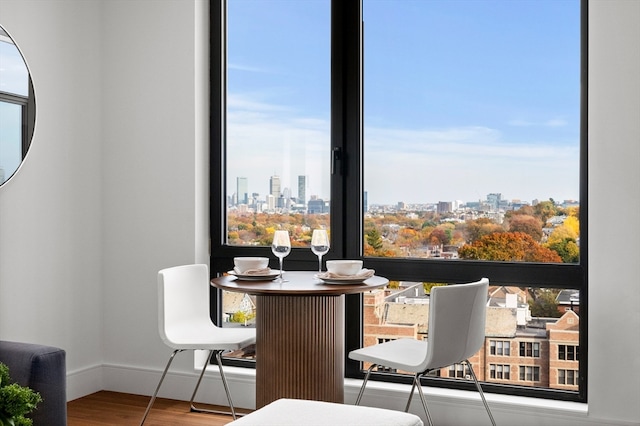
point(459, 403)
point(394, 396)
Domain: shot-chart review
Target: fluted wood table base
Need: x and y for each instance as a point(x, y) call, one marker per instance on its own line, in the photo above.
point(300, 334)
point(300, 348)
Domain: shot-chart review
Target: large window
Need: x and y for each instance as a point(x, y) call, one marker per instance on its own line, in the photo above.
point(439, 141)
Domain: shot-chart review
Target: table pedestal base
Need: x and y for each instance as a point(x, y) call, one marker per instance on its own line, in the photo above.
point(300, 349)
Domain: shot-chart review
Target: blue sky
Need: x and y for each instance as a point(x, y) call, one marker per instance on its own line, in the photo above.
point(462, 98)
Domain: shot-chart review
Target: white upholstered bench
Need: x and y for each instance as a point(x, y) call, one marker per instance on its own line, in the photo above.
point(298, 412)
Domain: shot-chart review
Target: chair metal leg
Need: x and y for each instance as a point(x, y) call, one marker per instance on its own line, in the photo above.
point(364, 383)
point(164, 373)
point(484, 401)
point(413, 387)
point(416, 383)
point(218, 354)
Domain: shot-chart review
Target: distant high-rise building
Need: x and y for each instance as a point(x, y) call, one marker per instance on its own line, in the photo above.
point(365, 202)
point(274, 186)
point(302, 189)
point(493, 200)
point(271, 202)
point(284, 201)
point(317, 205)
point(444, 207)
point(242, 190)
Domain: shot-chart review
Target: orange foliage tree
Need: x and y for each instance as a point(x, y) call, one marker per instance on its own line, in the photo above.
point(508, 247)
point(476, 229)
point(527, 224)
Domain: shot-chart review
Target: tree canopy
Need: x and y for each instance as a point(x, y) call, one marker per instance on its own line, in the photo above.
point(510, 247)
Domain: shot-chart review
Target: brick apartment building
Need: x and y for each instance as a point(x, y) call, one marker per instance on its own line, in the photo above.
point(518, 349)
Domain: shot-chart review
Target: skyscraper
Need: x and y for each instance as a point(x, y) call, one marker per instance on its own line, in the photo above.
point(274, 186)
point(302, 189)
point(494, 200)
point(242, 189)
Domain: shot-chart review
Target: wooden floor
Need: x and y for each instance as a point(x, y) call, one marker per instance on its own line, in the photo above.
point(121, 409)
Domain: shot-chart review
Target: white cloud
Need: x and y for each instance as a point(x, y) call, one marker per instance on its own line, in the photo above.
point(553, 122)
point(247, 68)
point(556, 122)
point(465, 163)
point(267, 139)
point(411, 165)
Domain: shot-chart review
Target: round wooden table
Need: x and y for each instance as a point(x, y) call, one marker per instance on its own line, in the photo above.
point(299, 334)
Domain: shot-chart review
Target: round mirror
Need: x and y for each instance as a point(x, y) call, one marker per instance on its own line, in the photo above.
point(17, 107)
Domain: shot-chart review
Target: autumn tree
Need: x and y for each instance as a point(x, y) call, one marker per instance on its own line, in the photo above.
point(527, 224)
point(567, 249)
point(374, 245)
point(408, 238)
point(509, 247)
point(524, 210)
point(573, 223)
point(564, 240)
point(439, 236)
point(546, 210)
point(544, 304)
point(478, 228)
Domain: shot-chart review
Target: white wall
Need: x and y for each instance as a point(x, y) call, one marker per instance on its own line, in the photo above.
point(614, 197)
point(114, 189)
point(51, 269)
point(149, 195)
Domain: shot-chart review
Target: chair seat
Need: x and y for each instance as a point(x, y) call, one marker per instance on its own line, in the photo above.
point(208, 336)
point(298, 412)
point(402, 354)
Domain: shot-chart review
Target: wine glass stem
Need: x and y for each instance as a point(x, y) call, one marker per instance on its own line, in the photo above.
point(319, 263)
point(281, 259)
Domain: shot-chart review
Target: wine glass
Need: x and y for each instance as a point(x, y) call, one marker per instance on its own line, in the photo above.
point(319, 245)
point(281, 247)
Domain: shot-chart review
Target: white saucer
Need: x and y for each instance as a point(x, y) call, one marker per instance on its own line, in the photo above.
point(341, 280)
point(270, 276)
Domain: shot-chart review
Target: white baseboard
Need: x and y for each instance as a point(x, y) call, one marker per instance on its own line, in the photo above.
point(447, 407)
point(84, 382)
point(177, 385)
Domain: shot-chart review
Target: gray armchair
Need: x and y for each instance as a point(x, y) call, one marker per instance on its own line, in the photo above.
point(43, 369)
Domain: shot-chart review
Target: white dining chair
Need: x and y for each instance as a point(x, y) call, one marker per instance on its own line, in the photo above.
point(184, 324)
point(456, 331)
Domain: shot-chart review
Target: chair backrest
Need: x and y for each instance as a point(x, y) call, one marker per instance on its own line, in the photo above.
point(457, 316)
point(183, 300)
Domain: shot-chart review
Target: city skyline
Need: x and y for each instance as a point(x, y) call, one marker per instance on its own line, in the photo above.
point(491, 198)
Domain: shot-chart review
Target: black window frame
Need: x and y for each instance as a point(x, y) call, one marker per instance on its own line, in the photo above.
point(347, 203)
